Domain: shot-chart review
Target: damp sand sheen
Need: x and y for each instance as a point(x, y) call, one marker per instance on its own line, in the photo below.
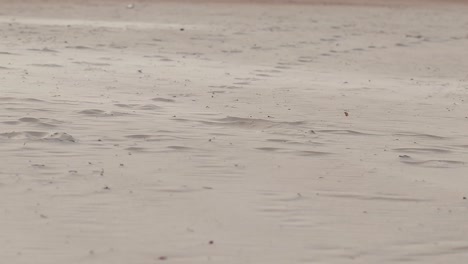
point(233, 132)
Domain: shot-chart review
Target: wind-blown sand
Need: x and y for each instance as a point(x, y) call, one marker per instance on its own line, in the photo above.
point(281, 133)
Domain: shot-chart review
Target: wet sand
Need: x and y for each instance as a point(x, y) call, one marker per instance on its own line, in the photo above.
point(172, 132)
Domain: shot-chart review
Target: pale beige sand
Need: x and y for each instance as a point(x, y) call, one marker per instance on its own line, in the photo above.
point(126, 140)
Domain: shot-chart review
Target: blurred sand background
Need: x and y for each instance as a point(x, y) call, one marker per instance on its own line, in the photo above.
point(233, 132)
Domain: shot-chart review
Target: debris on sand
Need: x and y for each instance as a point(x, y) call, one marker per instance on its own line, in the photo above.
point(61, 137)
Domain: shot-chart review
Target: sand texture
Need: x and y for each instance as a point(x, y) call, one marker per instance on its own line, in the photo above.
point(233, 133)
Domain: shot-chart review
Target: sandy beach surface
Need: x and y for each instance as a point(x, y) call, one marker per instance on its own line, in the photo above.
point(234, 132)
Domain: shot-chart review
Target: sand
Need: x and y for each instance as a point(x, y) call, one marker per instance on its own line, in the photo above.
point(175, 132)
